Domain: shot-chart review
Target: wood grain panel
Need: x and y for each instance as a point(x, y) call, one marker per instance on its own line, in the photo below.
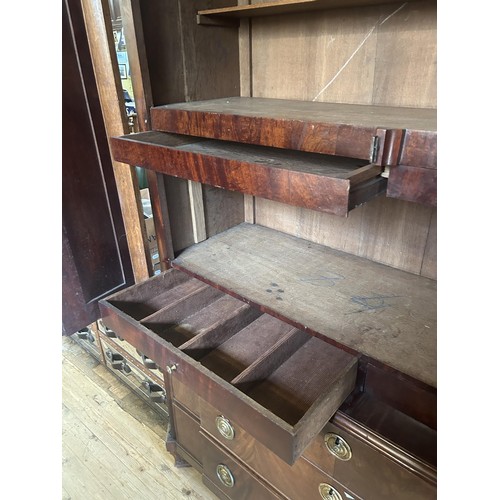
point(220, 201)
point(371, 55)
point(405, 65)
point(413, 184)
point(364, 307)
point(98, 25)
point(384, 230)
point(325, 56)
point(321, 182)
point(181, 222)
point(139, 71)
point(429, 263)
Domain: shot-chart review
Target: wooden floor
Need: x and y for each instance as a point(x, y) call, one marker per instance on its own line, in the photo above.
point(113, 443)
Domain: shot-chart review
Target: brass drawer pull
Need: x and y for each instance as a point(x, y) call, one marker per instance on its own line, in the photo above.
point(328, 492)
point(225, 476)
point(338, 446)
point(224, 427)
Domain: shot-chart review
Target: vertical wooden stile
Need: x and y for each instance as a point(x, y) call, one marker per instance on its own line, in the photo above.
point(245, 46)
point(98, 26)
point(136, 50)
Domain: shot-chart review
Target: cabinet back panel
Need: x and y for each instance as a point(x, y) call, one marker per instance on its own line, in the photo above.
point(393, 232)
point(372, 55)
point(383, 55)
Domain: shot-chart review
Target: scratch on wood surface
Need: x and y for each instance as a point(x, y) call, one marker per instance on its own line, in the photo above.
point(379, 23)
point(395, 12)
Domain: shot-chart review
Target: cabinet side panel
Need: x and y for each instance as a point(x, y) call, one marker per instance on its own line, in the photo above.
point(188, 62)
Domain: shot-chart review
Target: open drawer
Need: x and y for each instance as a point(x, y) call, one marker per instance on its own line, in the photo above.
point(331, 184)
point(277, 382)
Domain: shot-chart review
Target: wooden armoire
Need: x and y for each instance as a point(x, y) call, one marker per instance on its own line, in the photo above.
point(291, 156)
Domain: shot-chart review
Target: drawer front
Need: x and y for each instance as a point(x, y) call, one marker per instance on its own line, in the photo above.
point(187, 435)
point(414, 184)
point(419, 149)
point(242, 361)
point(329, 184)
point(363, 468)
point(231, 478)
point(185, 396)
point(298, 481)
point(300, 132)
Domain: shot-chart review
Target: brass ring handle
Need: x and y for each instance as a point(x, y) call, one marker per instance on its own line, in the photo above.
point(225, 476)
point(328, 492)
point(338, 446)
point(224, 427)
point(171, 368)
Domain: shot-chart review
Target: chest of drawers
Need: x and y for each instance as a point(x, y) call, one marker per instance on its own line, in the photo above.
point(292, 370)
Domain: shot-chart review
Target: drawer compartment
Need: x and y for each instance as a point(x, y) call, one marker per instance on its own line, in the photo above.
point(276, 381)
point(331, 184)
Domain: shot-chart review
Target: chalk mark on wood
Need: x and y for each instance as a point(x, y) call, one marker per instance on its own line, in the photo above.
point(323, 281)
point(371, 303)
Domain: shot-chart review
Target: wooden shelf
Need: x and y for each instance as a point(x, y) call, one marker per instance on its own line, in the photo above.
point(318, 127)
point(326, 183)
point(368, 308)
point(213, 16)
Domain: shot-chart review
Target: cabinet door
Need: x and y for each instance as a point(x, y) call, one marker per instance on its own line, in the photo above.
point(95, 259)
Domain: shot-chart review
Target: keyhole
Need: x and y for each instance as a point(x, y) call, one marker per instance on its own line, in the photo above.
point(337, 446)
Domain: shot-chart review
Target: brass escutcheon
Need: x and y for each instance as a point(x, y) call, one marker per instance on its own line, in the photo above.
point(224, 427)
point(328, 492)
point(338, 446)
point(225, 476)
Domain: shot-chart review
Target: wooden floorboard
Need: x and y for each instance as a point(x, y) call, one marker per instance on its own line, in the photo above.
point(113, 443)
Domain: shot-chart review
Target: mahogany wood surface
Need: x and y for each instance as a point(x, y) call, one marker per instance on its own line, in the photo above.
point(186, 397)
point(419, 149)
point(404, 440)
point(413, 184)
point(378, 468)
point(95, 257)
point(187, 433)
point(323, 389)
point(246, 484)
point(320, 127)
point(413, 400)
point(319, 182)
point(297, 481)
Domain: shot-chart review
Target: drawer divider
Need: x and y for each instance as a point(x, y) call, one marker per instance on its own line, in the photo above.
point(211, 337)
point(261, 368)
point(194, 299)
